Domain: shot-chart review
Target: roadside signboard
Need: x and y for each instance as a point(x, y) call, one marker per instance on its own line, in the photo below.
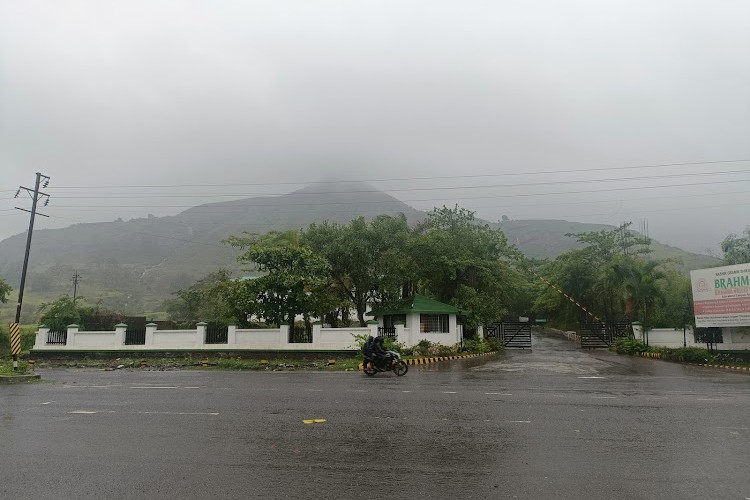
point(721, 296)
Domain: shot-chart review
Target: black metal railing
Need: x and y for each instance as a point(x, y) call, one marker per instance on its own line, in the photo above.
point(299, 335)
point(135, 336)
point(387, 331)
point(217, 334)
point(57, 337)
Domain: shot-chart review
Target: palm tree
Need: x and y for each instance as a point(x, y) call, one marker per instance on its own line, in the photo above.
point(644, 284)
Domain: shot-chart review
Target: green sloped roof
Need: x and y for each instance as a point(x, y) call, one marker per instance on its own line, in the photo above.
point(416, 304)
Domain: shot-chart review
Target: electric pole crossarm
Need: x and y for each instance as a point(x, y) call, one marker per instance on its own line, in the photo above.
point(29, 211)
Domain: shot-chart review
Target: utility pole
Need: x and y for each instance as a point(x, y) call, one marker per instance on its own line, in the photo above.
point(36, 195)
point(76, 278)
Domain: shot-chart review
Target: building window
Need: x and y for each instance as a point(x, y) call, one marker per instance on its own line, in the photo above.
point(435, 323)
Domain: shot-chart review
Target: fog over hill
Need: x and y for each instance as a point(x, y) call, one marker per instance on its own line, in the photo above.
point(136, 264)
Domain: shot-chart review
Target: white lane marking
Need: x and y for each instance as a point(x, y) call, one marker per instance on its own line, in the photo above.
point(498, 393)
point(48, 402)
point(154, 387)
point(82, 412)
point(406, 391)
point(520, 421)
point(450, 392)
point(191, 387)
point(176, 413)
point(591, 377)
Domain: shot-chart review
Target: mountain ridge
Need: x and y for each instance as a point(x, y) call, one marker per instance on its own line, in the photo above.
point(136, 264)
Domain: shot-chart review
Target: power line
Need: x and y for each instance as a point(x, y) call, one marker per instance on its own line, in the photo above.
point(388, 179)
point(369, 202)
point(446, 188)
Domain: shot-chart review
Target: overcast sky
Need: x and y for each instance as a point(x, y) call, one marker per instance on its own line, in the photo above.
point(507, 99)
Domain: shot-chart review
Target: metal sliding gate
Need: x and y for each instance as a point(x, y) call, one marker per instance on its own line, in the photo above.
point(516, 334)
point(513, 334)
point(135, 334)
point(597, 334)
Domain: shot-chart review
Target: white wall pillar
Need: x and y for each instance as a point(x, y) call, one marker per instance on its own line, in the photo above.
point(373, 326)
point(200, 334)
point(453, 328)
point(283, 334)
point(150, 329)
point(71, 340)
point(231, 334)
point(316, 336)
point(41, 337)
point(480, 332)
point(120, 330)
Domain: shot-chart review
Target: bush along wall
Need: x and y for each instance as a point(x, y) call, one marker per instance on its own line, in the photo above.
point(694, 355)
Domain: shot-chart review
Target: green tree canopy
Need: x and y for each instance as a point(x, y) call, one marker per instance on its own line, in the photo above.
point(467, 264)
point(736, 248)
point(294, 275)
point(4, 290)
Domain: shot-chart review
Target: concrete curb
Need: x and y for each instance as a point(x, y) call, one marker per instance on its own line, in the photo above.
point(657, 355)
point(437, 359)
point(17, 379)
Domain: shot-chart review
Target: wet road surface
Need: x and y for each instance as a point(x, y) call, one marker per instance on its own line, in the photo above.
point(555, 422)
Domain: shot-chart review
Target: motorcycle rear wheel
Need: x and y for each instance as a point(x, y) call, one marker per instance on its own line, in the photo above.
point(369, 370)
point(400, 368)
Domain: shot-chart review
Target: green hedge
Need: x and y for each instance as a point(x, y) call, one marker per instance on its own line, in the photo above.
point(28, 335)
point(680, 354)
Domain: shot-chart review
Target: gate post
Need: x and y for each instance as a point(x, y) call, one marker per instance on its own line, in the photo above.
point(480, 332)
point(150, 329)
point(70, 341)
point(120, 329)
point(283, 334)
point(200, 339)
point(41, 336)
point(373, 326)
point(231, 334)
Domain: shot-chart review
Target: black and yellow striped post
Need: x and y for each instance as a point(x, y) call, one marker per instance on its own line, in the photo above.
point(15, 343)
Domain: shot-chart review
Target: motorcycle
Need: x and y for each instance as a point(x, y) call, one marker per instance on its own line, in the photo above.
point(394, 363)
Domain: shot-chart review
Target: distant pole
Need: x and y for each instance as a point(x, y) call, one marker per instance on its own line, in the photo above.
point(76, 278)
point(35, 196)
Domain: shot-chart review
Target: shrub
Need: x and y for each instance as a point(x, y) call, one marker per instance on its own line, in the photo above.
point(625, 345)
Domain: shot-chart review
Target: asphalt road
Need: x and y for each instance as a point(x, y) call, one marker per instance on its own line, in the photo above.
point(556, 422)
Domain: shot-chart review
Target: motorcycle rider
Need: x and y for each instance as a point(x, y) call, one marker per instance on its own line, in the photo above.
point(367, 351)
point(380, 354)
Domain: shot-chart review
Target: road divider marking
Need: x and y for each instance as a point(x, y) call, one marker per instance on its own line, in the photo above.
point(155, 387)
point(450, 392)
point(48, 402)
point(591, 377)
point(520, 421)
point(212, 414)
point(82, 412)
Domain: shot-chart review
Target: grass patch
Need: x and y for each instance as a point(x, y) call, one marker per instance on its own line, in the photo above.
point(6, 368)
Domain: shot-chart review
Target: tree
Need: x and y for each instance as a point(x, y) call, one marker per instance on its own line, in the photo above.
point(366, 261)
point(60, 313)
point(466, 264)
point(4, 290)
point(737, 248)
point(644, 283)
point(202, 301)
point(294, 274)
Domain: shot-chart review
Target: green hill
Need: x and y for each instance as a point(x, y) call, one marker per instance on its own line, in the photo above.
point(133, 266)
